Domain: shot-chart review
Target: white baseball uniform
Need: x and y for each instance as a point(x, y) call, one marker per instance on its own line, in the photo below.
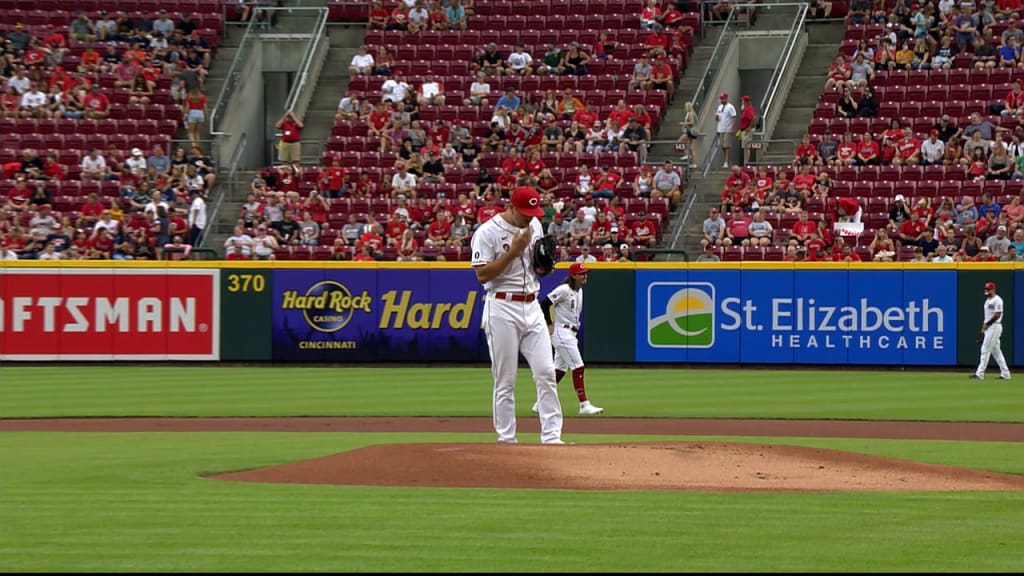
point(991, 345)
point(514, 323)
point(566, 305)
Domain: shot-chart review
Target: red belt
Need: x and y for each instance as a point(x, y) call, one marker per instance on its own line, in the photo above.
point(515, 296)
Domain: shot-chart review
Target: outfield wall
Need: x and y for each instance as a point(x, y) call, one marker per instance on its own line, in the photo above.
point(751, 313)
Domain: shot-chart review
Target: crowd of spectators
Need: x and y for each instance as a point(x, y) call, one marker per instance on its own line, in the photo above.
point(436, 176)
point(72, 193)
point(939, 187)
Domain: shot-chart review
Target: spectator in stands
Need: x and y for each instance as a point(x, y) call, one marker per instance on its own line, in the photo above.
point(944, 56)
point(725, 117)
point(847, 105)
point(431, 92)
point(362, 63)
point(662, 78)
point(508, 101)
point(290, 144)
point(194, 109)
point(909, 149)
point(1000, 163)
point(383, 62)
point(575, 60)
point(933, 150)
point(94, 166)
point(478, 91)
point(644, 232)
point(806, 153)
point(519, 62)
point(858, 12)
point(838, 74)
point(667, 184)
point(634, 139)
point(713, 229)
point(641, 78)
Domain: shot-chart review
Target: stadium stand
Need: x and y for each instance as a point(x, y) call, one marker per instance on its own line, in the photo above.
point(919, 122)
point(105, 79)
point(448, 143)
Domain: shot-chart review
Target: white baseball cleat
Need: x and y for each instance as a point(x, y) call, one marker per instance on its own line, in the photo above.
point(536, 408)
point(1001, 377)
point(550, 442)
point(589, 409)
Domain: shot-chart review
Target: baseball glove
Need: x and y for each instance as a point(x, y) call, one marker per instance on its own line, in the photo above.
point(980, 337)
point(544, 255)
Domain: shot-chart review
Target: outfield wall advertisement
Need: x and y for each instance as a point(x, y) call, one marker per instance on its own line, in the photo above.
point(390, 315)
point(653, 313)
point(102, 314)
point(796, 317)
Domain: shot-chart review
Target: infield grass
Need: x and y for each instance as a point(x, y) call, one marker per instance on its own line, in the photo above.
point(434, 391)
point(138, 501)
point(120, 502)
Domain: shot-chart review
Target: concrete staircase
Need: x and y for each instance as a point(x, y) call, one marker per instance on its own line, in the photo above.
point(227, 216)
point(798, 108)
point(822, 47)
point(685, 91)
point(332, 85)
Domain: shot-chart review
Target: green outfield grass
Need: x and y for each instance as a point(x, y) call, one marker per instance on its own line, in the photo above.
point(435, 391)
point(138, 502)
point(118, 502)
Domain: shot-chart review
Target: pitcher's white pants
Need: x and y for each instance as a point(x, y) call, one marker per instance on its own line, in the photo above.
point(991, 346)
point(513, 328)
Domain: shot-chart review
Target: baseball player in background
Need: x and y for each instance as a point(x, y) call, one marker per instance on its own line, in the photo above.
point(991, 330)
point(564, 324)
point(512, 318)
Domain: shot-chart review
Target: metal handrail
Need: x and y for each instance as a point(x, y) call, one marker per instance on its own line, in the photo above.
point(699, 93)
point(236, 159)
point(233, 75)
point(782, 66)
point(313, 50)
point(685, 218)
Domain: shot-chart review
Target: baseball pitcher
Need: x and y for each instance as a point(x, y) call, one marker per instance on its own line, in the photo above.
point(509, 251)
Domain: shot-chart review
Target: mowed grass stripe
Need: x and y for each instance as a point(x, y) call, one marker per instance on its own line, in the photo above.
point(435, 391)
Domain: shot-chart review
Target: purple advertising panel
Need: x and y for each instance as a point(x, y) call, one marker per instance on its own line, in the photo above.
point(429, 315)
point(325, 315)
point(387, 314)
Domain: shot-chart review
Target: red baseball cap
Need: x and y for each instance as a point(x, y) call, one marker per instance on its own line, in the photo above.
point(990, 285)
point(577, 268)
point(526, 199)
point(724, 95)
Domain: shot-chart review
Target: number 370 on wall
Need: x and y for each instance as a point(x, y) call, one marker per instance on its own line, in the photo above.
point(246, 283)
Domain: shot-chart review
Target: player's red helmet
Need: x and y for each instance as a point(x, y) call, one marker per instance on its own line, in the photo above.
point(990, 285)
point(577, 268)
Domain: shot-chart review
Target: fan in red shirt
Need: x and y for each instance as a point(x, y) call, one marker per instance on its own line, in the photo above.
point(806, 153)
point(1015, 99)
point(908, 149)
point(763, 182)
point(488, 210)
point(803, 228)
point(585, 116)
point(846, 151)
point(868, 151)
point(620, 114)
point(513, 162)
point(439, 230)
point(804, 181)
point(644, 231)
point(395, 228)
point(849, 208)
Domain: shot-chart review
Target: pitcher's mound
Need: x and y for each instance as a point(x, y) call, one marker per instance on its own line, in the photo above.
point(641, 466)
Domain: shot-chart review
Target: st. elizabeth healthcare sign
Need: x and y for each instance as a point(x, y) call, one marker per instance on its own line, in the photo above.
point(796, 316)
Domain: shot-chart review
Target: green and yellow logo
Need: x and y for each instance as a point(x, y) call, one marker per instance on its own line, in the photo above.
point(681, 315)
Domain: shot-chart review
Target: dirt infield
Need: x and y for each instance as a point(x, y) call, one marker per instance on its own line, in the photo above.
point(654, 466)
point(715, 466)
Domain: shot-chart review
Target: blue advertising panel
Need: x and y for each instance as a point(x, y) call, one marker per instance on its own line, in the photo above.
point(761, 340)
point(814, 313)
point(930, 317)
point(863, 348)
point(801, 316)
